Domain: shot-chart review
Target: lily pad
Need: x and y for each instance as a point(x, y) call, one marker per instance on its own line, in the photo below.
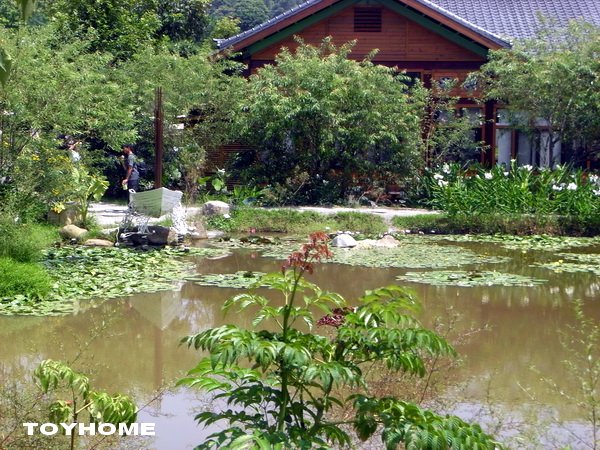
point(84, 274)
point(580, 262)
point(413, 256)
point(469, 278)
point(238, 280)
point(534, 242)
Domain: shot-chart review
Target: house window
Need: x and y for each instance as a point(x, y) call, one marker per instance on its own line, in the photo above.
point(367, 20)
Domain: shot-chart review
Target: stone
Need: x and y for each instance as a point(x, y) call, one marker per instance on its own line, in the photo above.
point(215, 207)
point(388, 241)
point(173, 237)
point(158, 235)
point(198, 229)
point(71, 232)
point(70, 215)
point(98, 243)
point(343, 241)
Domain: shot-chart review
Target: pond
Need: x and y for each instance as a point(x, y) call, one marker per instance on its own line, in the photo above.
point(509, 329)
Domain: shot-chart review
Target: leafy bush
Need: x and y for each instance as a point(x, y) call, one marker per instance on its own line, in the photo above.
point(319, 121)
point(285, 396)
point(27, 279)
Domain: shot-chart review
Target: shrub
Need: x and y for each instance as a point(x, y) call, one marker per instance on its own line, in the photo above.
point(27, 279)
point(281, 383)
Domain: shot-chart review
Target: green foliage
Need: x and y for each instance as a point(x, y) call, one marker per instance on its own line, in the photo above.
point(57, 378)
point(24, 242)
point(448, 133)
point(516, 190)
point(183, 21)
point(116, 27)
point(202, 91)
point(284, 397)
point(225, 27)
point(80, 275)
point(87, 187)
point(321, 122)
point(249, 12)
point(553, 78)
point(18, 278)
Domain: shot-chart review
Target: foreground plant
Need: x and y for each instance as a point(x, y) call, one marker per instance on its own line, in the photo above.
point(56, 377)
point(285, 396)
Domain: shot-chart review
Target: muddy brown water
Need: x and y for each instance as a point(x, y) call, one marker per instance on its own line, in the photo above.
point(131, 345)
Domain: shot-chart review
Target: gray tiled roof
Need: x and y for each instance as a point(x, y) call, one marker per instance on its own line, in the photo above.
point(517, 19)
point(498, 20)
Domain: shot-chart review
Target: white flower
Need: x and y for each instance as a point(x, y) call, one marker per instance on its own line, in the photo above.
point(572, 187)
point(446, 168)
point(594, 178)
point(506, 173)
point(442, 183)
point(597, 192)
point(438, 176)
point(558, 187)
point(528, 167)
point(488, 175)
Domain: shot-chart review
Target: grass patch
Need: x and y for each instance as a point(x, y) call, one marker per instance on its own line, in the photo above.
point(517, 224)
point(295, 222)
point(28, 279)
point(24, 243)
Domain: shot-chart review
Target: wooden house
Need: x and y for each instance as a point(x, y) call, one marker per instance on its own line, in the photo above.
point(429, 39)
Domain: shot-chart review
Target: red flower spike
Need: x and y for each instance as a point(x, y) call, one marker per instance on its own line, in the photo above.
point(314, 251)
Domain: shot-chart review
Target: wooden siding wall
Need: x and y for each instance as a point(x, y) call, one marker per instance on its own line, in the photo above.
point(399, 40)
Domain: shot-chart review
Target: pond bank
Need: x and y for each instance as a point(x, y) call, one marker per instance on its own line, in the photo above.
point(278, 219)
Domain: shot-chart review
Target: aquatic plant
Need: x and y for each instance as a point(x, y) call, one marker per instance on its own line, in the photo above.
point(469, 278)
point(82, 274)
point(242, 279)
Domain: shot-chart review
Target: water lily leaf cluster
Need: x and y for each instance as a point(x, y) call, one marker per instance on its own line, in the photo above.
point(533, 242)
point(469, 278)
point(576, 262)
point(415, 256)
point(82, 274)
point(242, 279)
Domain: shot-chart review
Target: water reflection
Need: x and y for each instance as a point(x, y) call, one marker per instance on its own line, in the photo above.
point(131, 345)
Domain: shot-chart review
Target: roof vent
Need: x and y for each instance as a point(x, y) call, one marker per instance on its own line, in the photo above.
point(367, 20)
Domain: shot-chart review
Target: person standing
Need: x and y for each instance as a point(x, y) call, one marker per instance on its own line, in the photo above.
point(132, 175)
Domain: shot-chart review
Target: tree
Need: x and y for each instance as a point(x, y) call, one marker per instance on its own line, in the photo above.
point(52, 92)
point(281, 384)
point(23, 10)
point(200, 102)
point(184, 22)
point(249, 12)
point(119, 27)
point(552, 81)
point(322, 117)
